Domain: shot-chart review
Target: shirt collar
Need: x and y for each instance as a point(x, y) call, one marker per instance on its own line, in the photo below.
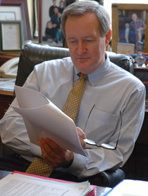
point(94, 76)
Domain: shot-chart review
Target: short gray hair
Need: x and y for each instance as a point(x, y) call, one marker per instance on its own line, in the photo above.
point(79, 8)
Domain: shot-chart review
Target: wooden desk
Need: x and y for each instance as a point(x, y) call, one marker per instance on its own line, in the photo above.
point(5, 56)
point(9, 93)
point(6, 97)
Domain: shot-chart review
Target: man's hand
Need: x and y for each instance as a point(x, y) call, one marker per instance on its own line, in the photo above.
point(54, 155)
point(82, 136)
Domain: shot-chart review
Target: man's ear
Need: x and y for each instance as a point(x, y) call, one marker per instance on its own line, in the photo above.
point(108, 37)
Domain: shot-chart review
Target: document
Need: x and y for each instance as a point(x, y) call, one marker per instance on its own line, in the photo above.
point(43, 119)
point(7, 84)
point(22, 184)
point(130, 188)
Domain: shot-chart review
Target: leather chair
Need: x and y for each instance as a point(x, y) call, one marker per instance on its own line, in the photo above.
point(33, 54)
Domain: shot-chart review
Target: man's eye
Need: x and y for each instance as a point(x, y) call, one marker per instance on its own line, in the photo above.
point(89, 40)
point(72, 41)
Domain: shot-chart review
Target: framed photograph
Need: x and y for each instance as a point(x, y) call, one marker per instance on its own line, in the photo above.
point(129, 26)
point(20, 9)
point(50, 22)
point(11, 35)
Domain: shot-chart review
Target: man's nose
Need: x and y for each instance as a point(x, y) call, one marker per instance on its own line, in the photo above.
point(81, 48)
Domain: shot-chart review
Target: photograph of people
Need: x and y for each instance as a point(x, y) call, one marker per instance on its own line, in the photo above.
point(135, 30)
point(51, 22)
point(132, 26)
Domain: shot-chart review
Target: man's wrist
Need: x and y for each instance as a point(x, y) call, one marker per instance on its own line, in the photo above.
point(71, 157)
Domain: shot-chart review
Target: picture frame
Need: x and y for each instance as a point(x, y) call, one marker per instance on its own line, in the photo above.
point(24, 15)
point(146, 35)
point(121, 19)
point(11, 35)
point(43, 19)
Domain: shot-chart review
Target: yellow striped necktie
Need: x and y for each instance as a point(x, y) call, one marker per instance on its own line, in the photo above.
point(71, 108)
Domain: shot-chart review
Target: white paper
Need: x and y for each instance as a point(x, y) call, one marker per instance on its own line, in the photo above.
point(11, 36)
point(7, 84)
point(130, 188)
point(43, 119)
point(23, 185)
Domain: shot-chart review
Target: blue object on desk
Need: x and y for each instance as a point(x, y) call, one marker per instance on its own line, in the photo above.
point(4, 173)
point(139, 58)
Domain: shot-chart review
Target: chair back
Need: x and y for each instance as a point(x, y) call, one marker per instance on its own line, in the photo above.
point(33, 54)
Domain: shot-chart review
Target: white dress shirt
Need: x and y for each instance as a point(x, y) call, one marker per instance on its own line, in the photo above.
point(111, 111)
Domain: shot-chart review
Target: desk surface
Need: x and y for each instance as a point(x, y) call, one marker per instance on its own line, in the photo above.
point(9, 93)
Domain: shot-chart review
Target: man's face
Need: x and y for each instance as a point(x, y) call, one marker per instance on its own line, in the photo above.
point(56, 10)
point(85, 43)
point(134, 17)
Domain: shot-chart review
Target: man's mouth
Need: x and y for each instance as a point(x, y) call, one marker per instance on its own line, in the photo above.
point(82, 58)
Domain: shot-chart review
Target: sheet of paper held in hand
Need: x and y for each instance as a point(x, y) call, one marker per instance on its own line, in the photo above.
point(43, 119)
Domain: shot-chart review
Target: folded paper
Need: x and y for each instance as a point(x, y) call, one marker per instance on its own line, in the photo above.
point(43, 119)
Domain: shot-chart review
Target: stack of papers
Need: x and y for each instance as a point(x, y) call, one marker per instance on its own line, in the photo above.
point(7, 84)
point(22, 184)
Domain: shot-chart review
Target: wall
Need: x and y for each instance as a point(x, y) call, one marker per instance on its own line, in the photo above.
point(30, 12)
